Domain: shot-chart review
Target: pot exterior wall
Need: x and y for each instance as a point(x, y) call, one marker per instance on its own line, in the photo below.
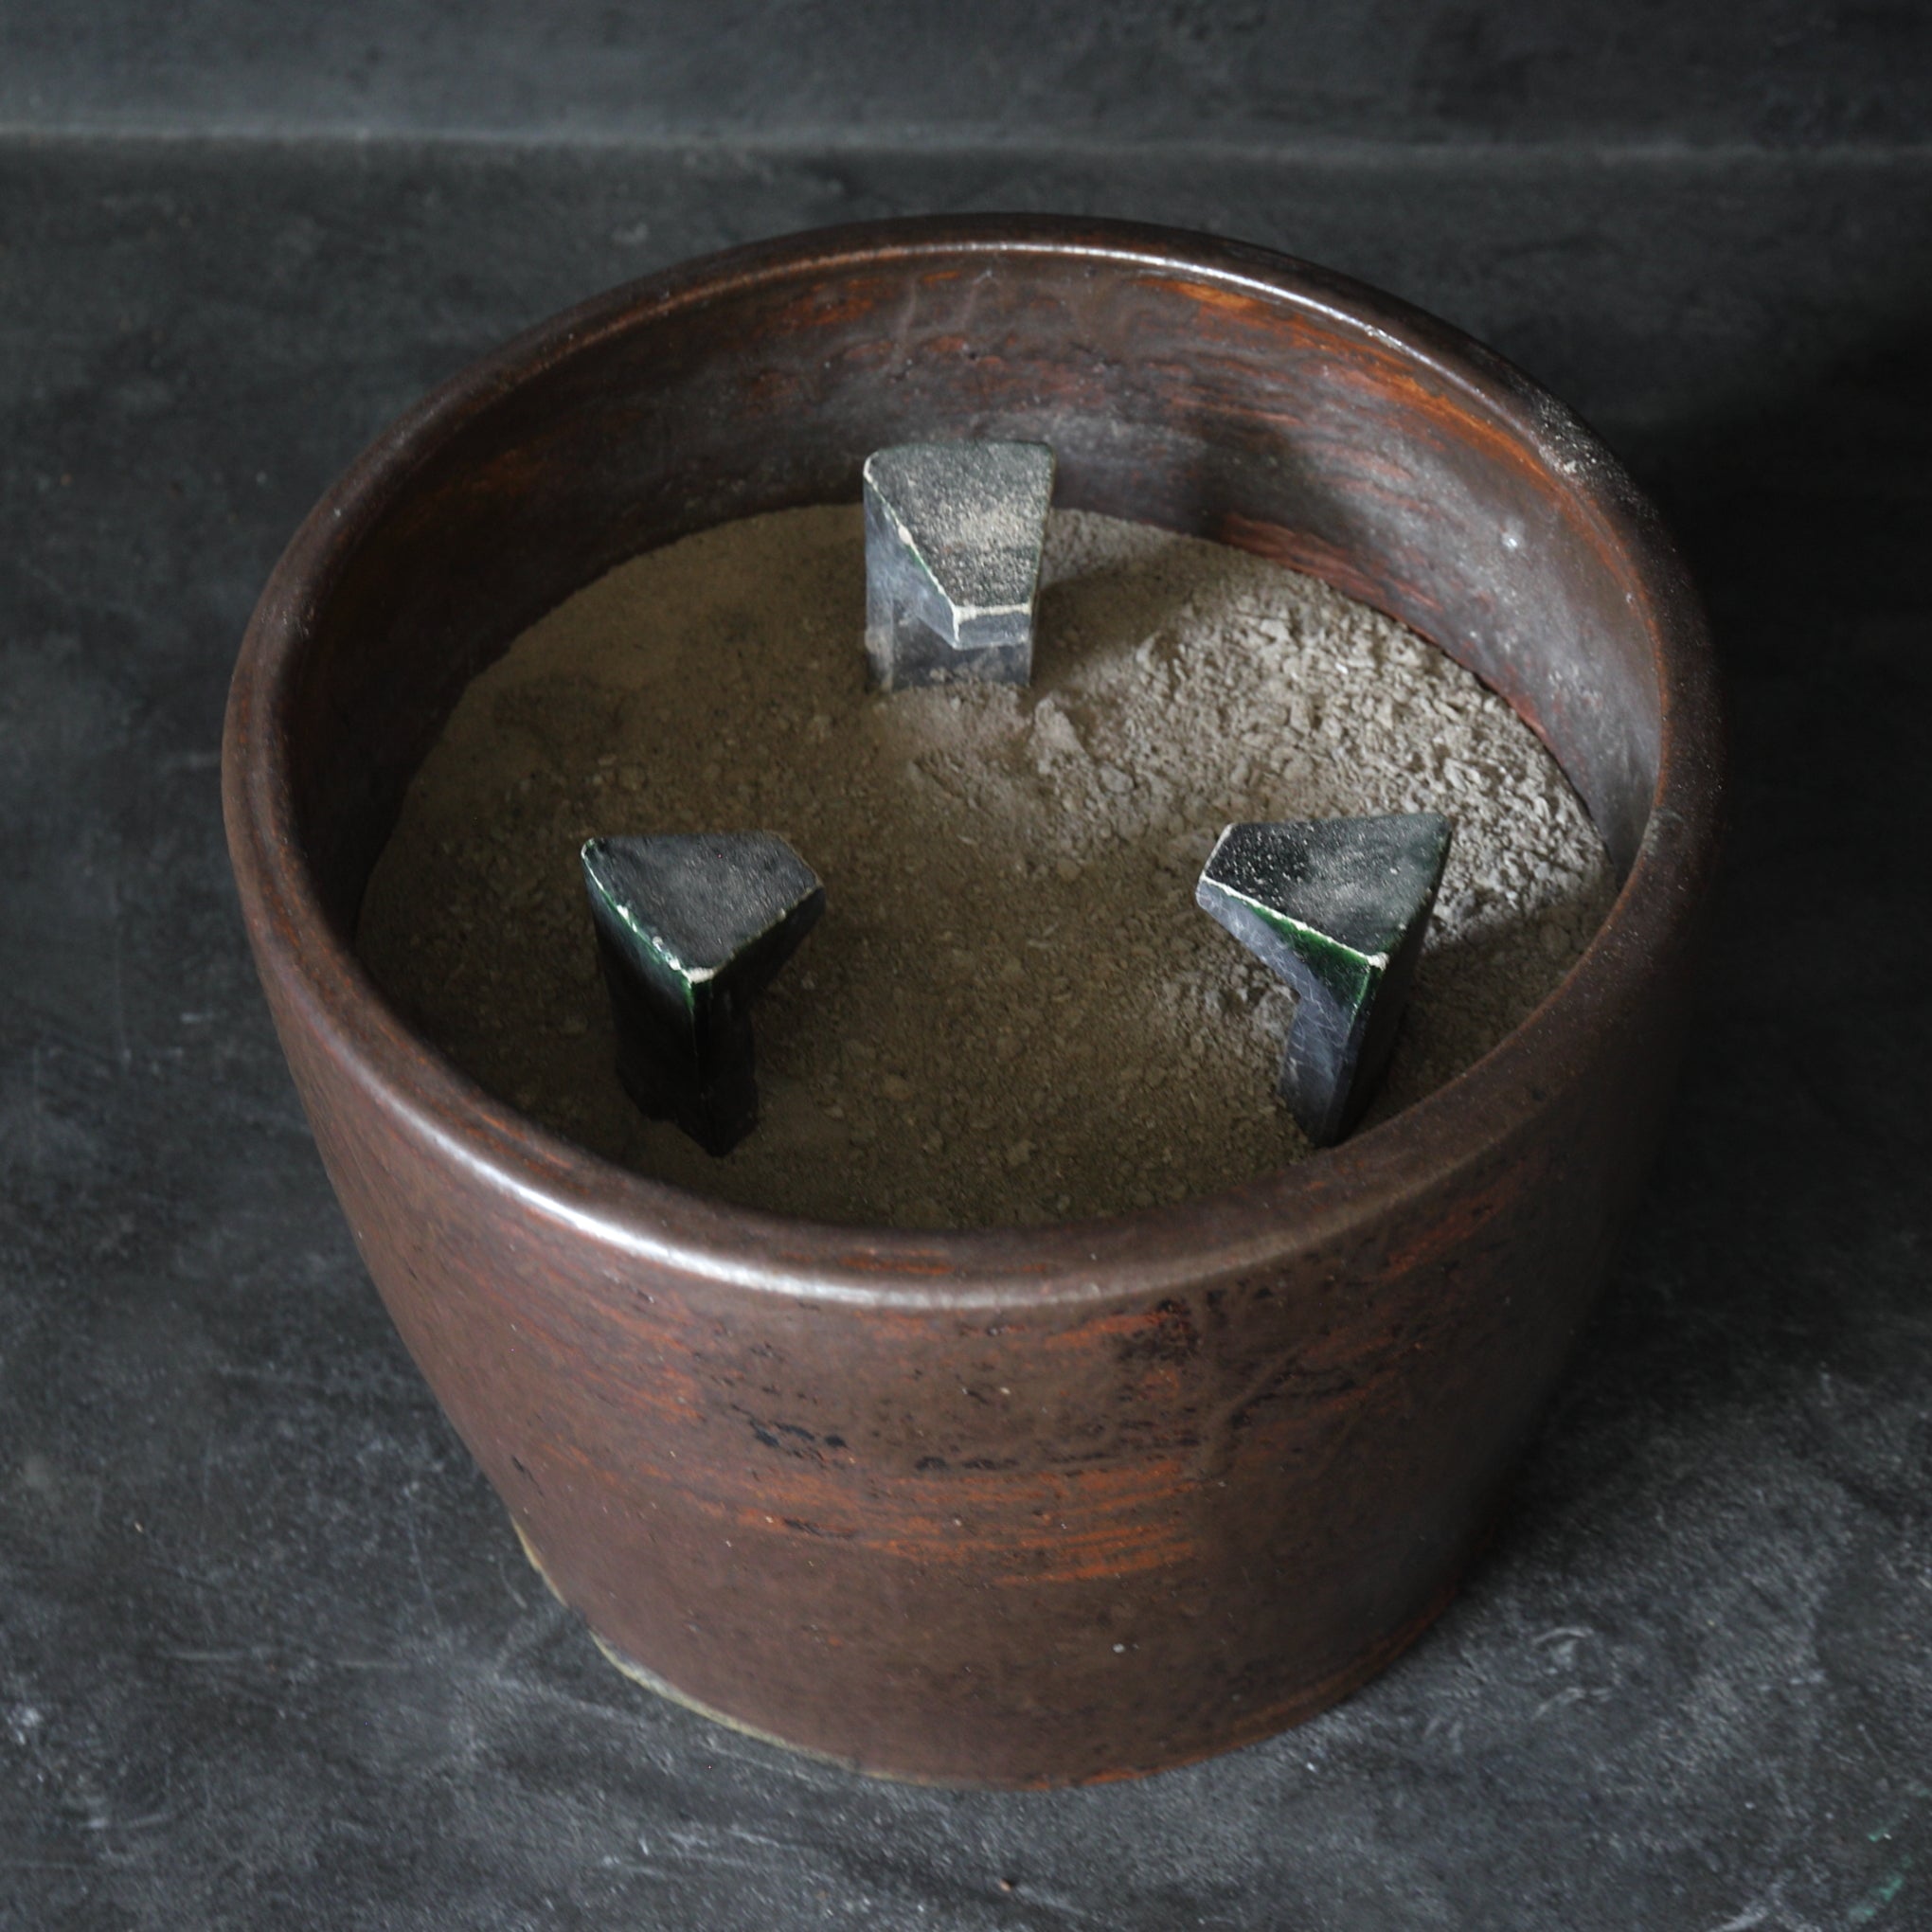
point(1038, 1545)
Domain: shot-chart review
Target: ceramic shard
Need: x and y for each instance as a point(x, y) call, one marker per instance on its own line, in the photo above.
point(954, 535)
point(691, 929)
point(1336, 907)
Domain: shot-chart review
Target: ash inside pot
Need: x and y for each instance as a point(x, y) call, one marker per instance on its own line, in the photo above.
point(1012, 1011)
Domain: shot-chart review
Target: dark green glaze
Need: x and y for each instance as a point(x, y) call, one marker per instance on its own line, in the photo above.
point(691, 929)
point(1337, 908)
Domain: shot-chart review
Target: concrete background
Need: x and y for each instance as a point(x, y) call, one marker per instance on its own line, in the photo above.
point(269, 1655)
point(1675, 72)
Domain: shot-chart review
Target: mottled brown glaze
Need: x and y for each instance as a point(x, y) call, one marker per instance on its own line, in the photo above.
point(1008, 1507)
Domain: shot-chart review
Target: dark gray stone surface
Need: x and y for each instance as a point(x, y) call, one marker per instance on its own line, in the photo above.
point(269, 1655)
point(1678, 71)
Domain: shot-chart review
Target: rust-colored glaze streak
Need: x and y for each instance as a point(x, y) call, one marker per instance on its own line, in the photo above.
point(1018, 1507)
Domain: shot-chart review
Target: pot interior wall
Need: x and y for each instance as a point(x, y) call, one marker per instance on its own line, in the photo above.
point(1271, 421)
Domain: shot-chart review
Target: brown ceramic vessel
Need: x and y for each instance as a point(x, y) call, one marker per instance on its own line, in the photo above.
point(1024, 1506)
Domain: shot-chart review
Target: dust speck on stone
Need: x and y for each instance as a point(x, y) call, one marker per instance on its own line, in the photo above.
point(1012, 1011)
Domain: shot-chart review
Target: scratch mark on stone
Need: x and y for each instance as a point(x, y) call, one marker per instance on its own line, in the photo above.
point(122, 1052)
point(422, 1574)
point(1880, 1896)
point(1770, 1911)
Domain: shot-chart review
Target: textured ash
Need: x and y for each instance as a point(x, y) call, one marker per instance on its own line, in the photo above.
point(1012, 1010)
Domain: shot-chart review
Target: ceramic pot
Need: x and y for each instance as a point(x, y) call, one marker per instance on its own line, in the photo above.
point(1015, 1506)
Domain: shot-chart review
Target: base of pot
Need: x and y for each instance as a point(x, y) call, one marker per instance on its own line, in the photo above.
point(650, 1681)
point(1308, 1703)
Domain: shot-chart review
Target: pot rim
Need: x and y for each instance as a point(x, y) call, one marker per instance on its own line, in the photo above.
point(1325, 1198)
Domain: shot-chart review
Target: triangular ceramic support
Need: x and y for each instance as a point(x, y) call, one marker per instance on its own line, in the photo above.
point(691, 929)
point(1336, 907)
point(953, 538)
